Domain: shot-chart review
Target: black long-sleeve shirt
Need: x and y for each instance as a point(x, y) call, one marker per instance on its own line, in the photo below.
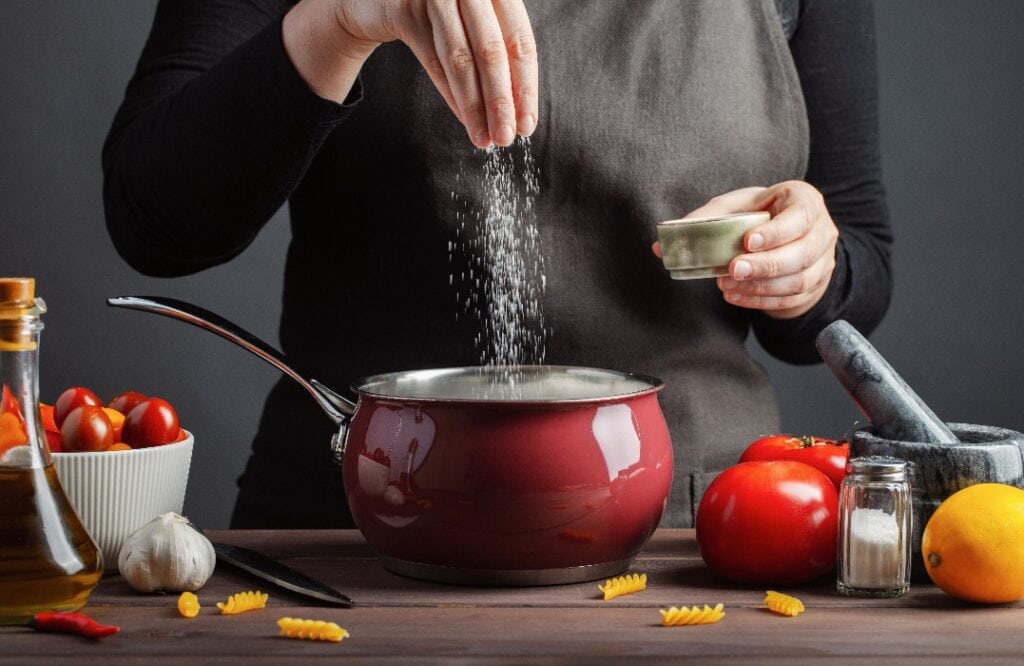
point(648, 109)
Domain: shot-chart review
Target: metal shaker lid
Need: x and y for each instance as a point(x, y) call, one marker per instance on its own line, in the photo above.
point(877, 467)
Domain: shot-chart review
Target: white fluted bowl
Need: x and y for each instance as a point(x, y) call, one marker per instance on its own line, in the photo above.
point(116, 492)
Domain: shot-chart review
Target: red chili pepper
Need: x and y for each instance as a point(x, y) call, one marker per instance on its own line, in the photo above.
point(72, 623)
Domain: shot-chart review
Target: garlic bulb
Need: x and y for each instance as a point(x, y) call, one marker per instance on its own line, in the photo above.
point(167, 554)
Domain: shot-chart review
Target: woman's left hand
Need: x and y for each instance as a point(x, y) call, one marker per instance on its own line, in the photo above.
point(789, 260)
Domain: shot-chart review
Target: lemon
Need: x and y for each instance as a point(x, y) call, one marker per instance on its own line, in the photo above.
point(973, 545)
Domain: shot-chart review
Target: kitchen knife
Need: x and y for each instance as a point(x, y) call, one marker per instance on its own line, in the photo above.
point(279, 574)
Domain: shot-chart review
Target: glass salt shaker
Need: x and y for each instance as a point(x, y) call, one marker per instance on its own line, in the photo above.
point(875, 514)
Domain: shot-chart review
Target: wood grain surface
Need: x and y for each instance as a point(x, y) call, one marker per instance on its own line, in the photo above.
point(402, 620)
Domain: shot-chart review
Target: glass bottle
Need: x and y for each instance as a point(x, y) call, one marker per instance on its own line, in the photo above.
point(875, 514)
point(47, 560)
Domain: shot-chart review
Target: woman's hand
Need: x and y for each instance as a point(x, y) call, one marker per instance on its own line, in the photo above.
point(480, 54)
point(789, 260)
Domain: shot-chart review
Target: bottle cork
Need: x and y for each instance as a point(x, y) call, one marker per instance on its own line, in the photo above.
point(17, 299)
point(17, 293)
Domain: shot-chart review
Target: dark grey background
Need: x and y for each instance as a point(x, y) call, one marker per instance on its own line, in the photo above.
point(952, 75)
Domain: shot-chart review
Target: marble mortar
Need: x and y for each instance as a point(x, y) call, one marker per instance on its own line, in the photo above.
point(984, 454)
point(943, 457)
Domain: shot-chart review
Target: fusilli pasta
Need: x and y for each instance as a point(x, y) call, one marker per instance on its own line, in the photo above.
point(188, 604)
point(313, 630)
point(243, 601)
point(694, 615)
point(783, 604)
point(628, 584)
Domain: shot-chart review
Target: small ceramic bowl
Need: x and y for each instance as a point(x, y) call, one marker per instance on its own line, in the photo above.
point(116, 492)
point(702, 247)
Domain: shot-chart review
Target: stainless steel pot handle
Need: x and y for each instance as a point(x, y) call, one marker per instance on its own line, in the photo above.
point(337, 408)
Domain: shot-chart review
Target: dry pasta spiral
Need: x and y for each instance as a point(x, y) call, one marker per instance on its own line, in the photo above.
point(694, 615)
point(628, 584)
point(188, 604)
point(783, 604)
point(313, 630)
point(243, 601)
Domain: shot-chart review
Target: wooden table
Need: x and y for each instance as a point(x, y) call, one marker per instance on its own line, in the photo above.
point(398, 618)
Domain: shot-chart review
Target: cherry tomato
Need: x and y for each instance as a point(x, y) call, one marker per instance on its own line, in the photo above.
point(50, 428)
point(53, 441)
point(76, 396)
point(116, 420)
point(827, 455)
point(150, 423)
point(87, 428)
point(769, 522)
point(123, 402)
point(12, 426)
point(8, 405)
point(12, 431)
point(46, 416)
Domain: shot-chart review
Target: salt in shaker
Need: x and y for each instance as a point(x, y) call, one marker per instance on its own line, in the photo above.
point(875, 514)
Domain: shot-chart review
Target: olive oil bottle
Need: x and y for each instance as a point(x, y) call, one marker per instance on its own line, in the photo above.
point(47, 560)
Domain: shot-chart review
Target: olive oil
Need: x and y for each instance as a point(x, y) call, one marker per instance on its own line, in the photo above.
point(47, 560)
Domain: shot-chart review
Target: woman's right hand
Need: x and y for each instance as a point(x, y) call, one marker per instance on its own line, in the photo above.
point(480, 54)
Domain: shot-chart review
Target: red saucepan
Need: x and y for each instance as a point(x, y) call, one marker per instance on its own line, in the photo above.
point(525, 475)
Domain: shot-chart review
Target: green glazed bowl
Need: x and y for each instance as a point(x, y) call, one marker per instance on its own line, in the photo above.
point(702, 247)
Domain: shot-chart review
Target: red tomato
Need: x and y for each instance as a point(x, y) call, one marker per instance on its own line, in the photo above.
point(87, 428)
point(76, 396)
point(769, 522)
point(123, 402)
point(150, 423)
point(827, 455)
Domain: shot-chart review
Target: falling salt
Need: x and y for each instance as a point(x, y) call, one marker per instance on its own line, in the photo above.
point(506, 267)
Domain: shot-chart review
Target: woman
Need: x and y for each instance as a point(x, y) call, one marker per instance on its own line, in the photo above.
point(357, 113)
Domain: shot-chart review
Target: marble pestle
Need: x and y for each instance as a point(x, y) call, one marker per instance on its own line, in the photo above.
point(895, 411)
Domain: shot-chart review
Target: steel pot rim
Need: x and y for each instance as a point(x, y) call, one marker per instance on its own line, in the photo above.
point(427, 385)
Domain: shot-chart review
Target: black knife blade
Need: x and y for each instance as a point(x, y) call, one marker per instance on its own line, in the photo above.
point(279, 574)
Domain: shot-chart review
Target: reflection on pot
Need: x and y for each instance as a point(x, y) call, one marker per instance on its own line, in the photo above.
point(399, 439)
point(615, 430)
